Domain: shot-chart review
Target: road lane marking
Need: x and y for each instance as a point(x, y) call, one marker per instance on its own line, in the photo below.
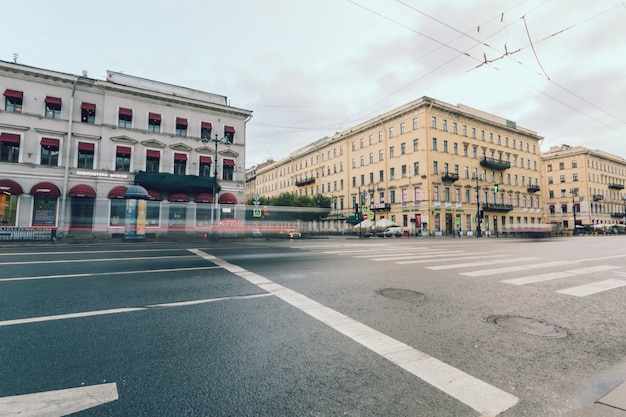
point(531, 279)
point(82, 252)
point(58, 403)
point(516, 268)
point(69, 316)
point(144, 271)
point(477, 394)
point(482, 263)
point(446, 257)
point(208, 300)
point(596, 287)
point(60, 261)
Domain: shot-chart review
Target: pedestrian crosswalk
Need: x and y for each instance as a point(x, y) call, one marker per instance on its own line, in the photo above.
point(467, 262)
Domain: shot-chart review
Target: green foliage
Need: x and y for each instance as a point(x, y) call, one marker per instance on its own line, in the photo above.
point(290, 207)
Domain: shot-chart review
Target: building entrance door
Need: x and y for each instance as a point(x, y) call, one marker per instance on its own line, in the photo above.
point(81, 216)
point(449, 224)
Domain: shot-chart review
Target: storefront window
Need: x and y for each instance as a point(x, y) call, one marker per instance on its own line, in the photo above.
point(118, 212)
point(8, 210)
point(153, 213)
point(44, 211)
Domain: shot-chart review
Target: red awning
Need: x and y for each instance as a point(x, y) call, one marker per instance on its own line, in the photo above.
point(11, 187)
point(9, 138)
point(126, 112)
point(206, 160)
point(179, 197)
point(181, 121)
point(117, 192)
point(228, 162)
point(227, 198)
point(53, 100)
point(88, 106)
point(206, 125)
point(13, 93)
point(154, 116)
point(155, 195)
point(180, 157)
point(86, 146)
point(204, 198)
point(53, 143)
point(82, 190)
point(45, 188)
point(153, 154)
point(123, 150)
point(229, 129)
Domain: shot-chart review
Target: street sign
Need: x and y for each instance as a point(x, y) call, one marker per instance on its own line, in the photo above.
point(257, 213)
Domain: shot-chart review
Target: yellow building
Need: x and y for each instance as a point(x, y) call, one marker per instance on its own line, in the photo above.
point(422, 166)
point(583, 184)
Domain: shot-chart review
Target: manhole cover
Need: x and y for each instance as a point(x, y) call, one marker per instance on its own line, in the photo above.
point(398, 294)
point(526, 325)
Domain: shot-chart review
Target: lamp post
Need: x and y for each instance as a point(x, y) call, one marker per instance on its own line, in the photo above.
point(574, 192)
point(206, 138)
point(479, 219)
point(624, 200)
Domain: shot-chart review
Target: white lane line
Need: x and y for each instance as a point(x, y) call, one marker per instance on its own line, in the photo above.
point(482, 263)
point(58, 403)
point(377, 250)
point(125, 310)
point(516, 268)
point(82, 252)
point(596, 287)
point(60, 261)
point(440, 258)
point(558, 275)
point(471, 391)
point(406, 256)
point(439, 252)
point(145, 271)
point(69, 316)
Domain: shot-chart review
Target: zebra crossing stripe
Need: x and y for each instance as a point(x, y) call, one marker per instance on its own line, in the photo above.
point(557, 275)
point(515, 268)
point(440, 258)
point(596, 287)
point(482, 263)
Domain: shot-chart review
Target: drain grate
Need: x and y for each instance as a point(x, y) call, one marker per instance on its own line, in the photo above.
point(400, 294)
point(528, 326)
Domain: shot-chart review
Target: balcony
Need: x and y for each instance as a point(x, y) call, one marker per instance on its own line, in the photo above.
point(533, 189)
point(497, 207)
point(449, 177)
point(305, 181)
point(496, 164)
point(618, 215)
point(616, 186)
point(598, 197)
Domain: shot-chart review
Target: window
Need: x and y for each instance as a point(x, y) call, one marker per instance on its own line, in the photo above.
point(228, 169)
point(362, 160)
point(371, 157)
point(455, 128)
point(205, 130)
point(550, 180)
point(392, 196)
point(8, 215)
point(444, 125)
point(390, 132)
point(474, 133)
point(9, 147)
point(434, 144)
point(392, 173)
point(415, 124)
point(85, 155)
point(562, 178)
point(561, 165)
point(549, 167)
point(229, 134)
point(125, 118)
point(371, 177)
point(435, 167)
point(445, 146)
point(53, 107)
point(575, 177)
point(402, 148)
point(122, 158)
point(456, 148)
point(13, 100)
point(381, 155)
point(361, 143)
point(181, 127)
point(402, 128)
point(433, 122)
point(403, 171)
point(154, 122)
point(153, 159)
point(88, 113)
point(381, 175)
point(464, 130)
point(49, 152)
point(415, 145)
point(391, 151)
point(574, 164)
point(416, 168)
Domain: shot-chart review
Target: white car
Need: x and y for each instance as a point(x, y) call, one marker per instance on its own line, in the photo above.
point(393, 232)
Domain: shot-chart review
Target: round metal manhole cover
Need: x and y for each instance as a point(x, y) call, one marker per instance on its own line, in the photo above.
point(400, 294)
point(526, 325)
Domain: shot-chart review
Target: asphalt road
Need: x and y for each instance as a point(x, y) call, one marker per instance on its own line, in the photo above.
point(314, 327)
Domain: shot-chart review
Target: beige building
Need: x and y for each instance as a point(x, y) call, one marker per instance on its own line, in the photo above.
point(71, 145)
point(585, 184)
point(420, 165)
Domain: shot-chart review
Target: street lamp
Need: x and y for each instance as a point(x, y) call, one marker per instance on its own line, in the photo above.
point(206, 138)
point(479, 219)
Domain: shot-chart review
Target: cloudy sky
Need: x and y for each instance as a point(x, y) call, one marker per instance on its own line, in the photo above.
point(310, 68)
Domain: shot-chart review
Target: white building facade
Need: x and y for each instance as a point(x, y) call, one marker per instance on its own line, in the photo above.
point(70, 146)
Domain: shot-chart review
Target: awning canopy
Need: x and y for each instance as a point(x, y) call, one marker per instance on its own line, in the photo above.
point(204, 198)
point(50, 142)
point(53, 100)
point(179, 197)
point(172, 183)
point(13, 93)
point(181, 121)
point(82, 190)
point(153, 154)
point(228, 162)
point(11, 187)
point(126, 112)
point(88, 106)
point(180, 157)
point(9, 138)
point(229, 129)
point(227, 198)
point(86, 146)
point(205, 160)
point(154, 116)
point(155, 195)
point(117, 192)
point(45, 188)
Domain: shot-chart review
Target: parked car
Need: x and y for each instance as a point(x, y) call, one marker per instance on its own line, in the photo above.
point(393, 232)
point(290, 234)
point(255, 233)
